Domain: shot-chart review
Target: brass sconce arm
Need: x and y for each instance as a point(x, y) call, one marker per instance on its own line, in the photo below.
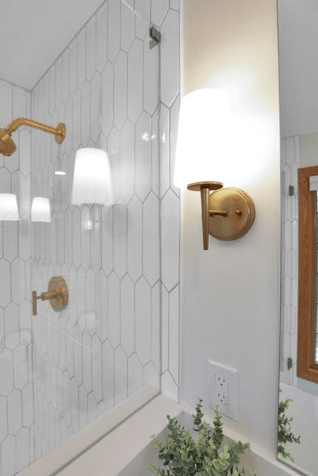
point(233, 204)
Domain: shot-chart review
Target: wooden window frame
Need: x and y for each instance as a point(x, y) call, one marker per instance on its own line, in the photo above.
point(307, 369)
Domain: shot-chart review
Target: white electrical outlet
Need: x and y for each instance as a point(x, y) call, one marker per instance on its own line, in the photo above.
point(223, 389)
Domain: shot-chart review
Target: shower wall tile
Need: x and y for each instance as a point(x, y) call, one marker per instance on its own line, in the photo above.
point(290, 162)
point(121, 261)
point(16, 386)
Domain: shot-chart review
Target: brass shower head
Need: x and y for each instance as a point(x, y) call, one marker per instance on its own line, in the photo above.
point(7, 146)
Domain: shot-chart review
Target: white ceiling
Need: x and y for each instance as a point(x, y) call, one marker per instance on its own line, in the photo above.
point(33, 33)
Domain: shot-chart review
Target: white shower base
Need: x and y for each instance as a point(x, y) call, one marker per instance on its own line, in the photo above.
point(128, 449)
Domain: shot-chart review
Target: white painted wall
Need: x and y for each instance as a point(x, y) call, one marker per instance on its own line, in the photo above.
point(230, 302)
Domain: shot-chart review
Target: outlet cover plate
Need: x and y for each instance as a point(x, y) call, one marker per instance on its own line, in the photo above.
point(230, 408)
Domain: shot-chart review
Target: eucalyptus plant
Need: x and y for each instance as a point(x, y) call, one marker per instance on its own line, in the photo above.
point(285, 434)
point(182, 455)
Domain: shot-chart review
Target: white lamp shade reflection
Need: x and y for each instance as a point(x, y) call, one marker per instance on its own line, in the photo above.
point(40, 210)
point(92, 178)
point(8, 207)
point(204, 138)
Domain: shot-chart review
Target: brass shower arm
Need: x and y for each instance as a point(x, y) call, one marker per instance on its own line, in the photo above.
point(59, 131)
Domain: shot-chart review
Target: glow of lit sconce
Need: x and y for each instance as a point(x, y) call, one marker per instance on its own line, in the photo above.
point(92, 178)
point(205, 153)
point(59, 172)
point(8, 207)
point(40, 210)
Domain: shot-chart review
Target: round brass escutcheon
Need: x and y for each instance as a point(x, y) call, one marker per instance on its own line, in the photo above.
point(58, 284)
point(240, 214)
point(60, 135)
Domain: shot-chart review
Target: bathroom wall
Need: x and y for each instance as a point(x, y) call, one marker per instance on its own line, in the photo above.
point(121, 262)
point(230, 294)
point(16, 382)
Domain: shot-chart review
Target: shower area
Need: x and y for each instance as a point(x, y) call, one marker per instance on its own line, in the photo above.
point(110, 335)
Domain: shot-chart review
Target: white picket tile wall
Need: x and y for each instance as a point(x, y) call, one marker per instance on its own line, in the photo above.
point(122, 262)
point(290, 162)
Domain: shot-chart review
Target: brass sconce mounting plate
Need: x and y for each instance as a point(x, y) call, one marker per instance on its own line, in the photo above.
point(240, 211)
point(58, 286)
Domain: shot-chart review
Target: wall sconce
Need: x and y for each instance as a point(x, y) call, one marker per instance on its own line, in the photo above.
point(40, 210)
point(8, 207)
point(92, 178)
point(203, 153)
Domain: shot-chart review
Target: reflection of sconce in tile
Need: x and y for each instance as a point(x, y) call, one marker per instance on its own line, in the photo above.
point(40, 210)
point(92, 178)
point(205, 152)
point(8, 207)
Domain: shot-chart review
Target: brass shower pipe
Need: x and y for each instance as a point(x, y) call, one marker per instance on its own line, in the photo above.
point(8, 147)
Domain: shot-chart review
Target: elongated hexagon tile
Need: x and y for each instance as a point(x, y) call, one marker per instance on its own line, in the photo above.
point(107, 98)
point(143, 320)
point(10, 240)
point(85, 237)
point(25, 151)
point(121, 390)
point(101, 37)
point(174, 333)
point(8, 451)
point(134, 239)
point(158, 11)
point(114, 158)
point(101, 305)
point(127, 315)
point(108, 375)
point(85, 113)
point(65, 75)
point(127, 172)
point(87, 361)
point(6, 103)
point(170, 240)
point(81, 58)
point(151, 239)
point(169, 386)
point(73, 67)
point(27, 405)
point(11, 319)
point(113, 30)
point(135, 80)
point(92, 408)
point(127, 25)
point(76, 127)
point(14, 411)
point(97, 368)
point(156, 325)
point(151, 78)
point(107, 239)
point(114, 310)
point(18, 281)
point(91, 309)
point(74, 405)
point(174, 120)
point(58, 82)
point(82, 404)
point(120, 90)
point(143, 8)
point(3, 418)
point(20, 367)
point(120, 238)
point(170, 52)
point(96, 94)
point(91, 48)
point(164, 330)
point(155, 152)
point(134, 375)
point(143, 179)
point(96, 235)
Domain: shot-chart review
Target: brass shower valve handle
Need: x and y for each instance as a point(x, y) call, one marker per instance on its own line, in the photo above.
point(57, 294)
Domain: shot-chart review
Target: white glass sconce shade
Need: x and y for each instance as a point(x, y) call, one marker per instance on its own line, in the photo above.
point(204, 135)
point(40, 210)
point(92, 178)
point(8, 207)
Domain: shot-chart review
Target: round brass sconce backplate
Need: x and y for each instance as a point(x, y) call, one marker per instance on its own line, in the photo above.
point(60, 134)
point(58, 286)
point(240, 214)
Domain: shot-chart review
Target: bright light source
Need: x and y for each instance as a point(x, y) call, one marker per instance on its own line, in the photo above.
point(40, 210)
point(8, 207)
